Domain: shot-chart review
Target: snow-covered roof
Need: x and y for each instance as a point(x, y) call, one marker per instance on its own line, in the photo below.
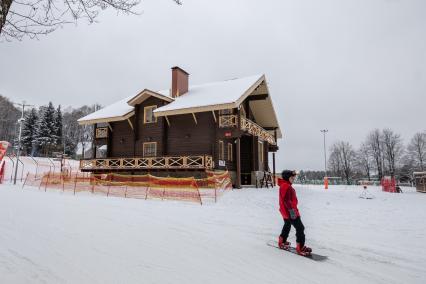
point(114, 112)
point(219, 94)
point(199, 98)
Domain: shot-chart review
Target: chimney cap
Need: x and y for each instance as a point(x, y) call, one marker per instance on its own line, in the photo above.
point(177, 67)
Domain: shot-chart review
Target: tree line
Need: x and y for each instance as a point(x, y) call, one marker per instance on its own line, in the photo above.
point(46, 130)
point(382, 153)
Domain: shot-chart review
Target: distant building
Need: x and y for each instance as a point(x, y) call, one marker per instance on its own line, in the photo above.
point(188, 130)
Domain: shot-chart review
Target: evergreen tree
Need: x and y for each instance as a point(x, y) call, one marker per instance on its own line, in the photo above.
point(45, 134)
point(58, 128)
point(28, 131)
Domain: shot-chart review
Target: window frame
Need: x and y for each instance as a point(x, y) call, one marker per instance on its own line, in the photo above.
point(144, 147)
point(221, 150)
point(153, 107)
point(230, 152)
point(261, 152)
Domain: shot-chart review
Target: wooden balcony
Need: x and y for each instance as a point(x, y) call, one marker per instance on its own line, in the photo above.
point(230, 121)
point(201, 162)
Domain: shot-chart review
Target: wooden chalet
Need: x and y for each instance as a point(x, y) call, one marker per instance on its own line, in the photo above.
point(188, 130)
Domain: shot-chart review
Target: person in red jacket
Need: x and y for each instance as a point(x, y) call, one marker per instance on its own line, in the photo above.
point(291, 215)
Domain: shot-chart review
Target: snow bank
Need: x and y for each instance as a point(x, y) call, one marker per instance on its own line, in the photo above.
point(55, 237)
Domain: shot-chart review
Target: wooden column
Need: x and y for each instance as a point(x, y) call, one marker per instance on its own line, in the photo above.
point(238, 163)
point(239, 148)
point(273, 167)
point(109, 144)
point(93, 142)
point(273, 156)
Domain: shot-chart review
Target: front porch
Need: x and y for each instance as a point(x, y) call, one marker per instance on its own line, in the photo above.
point(251, 165)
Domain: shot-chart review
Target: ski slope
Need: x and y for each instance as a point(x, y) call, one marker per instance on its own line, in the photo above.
point(55, 237)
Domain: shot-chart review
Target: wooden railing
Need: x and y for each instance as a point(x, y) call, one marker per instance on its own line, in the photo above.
point(228, 121)
point(102, 132)
point(176, 162)
point(251, 127)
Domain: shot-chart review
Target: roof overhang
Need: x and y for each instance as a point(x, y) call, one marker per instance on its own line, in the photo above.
point(145, 94)
point(107, 119)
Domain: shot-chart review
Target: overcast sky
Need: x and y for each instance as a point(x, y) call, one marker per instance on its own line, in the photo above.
point(348, 66)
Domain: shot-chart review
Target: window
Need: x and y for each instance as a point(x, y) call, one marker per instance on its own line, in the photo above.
point(221, 150)
point(260, 150)
point(148, 114)
point(150, 149)
point(230, 152)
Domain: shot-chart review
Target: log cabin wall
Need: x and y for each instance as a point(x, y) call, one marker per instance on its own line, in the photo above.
point(185, 137)
point(122, 139)
point(149, 132)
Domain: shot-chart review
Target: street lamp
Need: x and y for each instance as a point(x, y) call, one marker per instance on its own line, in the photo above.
point(18, 151)
point(324, 131)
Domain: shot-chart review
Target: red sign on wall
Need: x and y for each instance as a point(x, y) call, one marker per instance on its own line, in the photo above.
point(228, 134)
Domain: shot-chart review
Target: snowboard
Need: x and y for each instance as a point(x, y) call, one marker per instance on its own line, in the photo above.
point(313, 256)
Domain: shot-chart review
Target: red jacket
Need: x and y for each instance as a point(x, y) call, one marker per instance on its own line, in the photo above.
point(288, 199)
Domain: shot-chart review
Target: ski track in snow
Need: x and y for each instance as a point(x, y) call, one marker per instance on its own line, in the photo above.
point(56, 237)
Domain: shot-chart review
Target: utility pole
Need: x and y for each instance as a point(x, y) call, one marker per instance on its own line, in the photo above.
point(18, 151)
point(324, 131)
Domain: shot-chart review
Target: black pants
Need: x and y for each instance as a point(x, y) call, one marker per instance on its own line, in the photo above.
point(300, 230)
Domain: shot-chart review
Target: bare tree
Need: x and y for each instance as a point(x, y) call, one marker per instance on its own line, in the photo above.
point(374, 144)
point(20, 18)
point(334, 162)
point(393, 149)
point(342, 159)
point(416, 150)
point(364, 160)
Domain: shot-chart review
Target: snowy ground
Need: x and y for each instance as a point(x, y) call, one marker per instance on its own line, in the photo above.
point(55, 237)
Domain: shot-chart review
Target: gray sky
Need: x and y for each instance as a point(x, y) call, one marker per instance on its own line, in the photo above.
point(348, 66)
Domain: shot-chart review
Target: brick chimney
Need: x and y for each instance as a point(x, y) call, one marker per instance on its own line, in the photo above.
point(179, 82)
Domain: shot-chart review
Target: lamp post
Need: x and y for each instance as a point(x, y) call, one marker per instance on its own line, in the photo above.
point(324, 131)
point(18, 151)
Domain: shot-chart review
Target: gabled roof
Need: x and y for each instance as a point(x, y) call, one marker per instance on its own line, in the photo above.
point(163, 95)
point(199, 98)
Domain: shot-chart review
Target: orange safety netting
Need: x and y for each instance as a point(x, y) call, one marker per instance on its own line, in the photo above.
point(135, 186)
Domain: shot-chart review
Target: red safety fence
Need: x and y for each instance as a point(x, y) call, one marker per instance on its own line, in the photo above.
point(388, 184)
point(135, 186)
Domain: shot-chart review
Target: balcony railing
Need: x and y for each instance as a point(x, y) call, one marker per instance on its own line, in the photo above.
point(175, 162)
point(102, 132)
point(251, 127)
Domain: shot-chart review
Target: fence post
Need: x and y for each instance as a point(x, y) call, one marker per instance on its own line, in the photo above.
point(25, 180)
point(63, 182)
point(45, 186)
point(92, 179)
point(198, 190)
point(75, 181)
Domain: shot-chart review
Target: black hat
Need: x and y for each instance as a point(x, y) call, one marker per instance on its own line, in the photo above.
point(286, 174)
